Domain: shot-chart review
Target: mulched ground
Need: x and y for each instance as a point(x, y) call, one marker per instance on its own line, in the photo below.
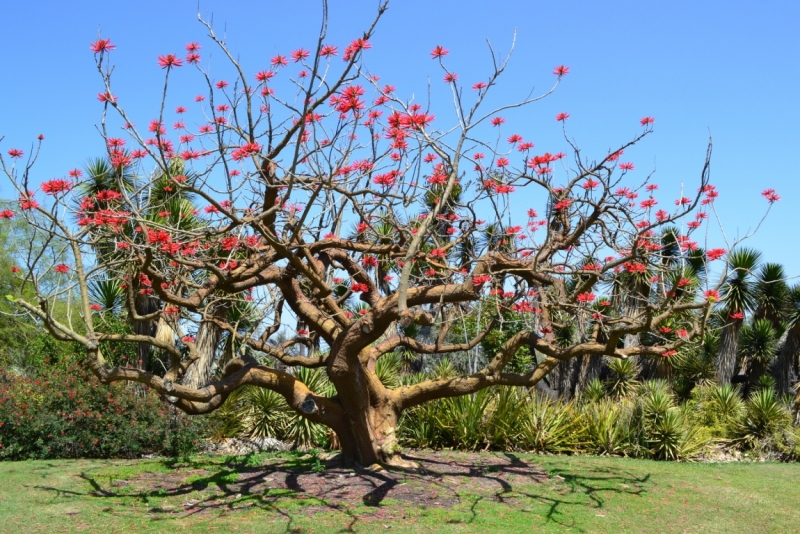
point(443, 480)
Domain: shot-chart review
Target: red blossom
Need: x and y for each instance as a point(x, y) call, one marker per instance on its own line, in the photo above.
point(439, 52)
point(188, 339)
point(646, 120)
point(711, 295)
point(15, 153)
point(562, 204)
point(626, 166)
point(328, 50)
point(450, 77)
point(590, 184)
point(250, 149)
point(168, 61)
point(586, 297)
point(354, 47)
point(356, 287)
point(562, 116)
point(561, 70)
point(279, 61)
point(478, 86)
point(737, 316)
point(770, 195)
point(497, 121)
point(56, 186)
point(715, 254)
point(62, 268)
point(300, 54)
point(264, 75)
point(102, 45)
point(6, 214)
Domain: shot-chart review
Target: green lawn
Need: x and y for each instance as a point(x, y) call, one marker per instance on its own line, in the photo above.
point(455, 492)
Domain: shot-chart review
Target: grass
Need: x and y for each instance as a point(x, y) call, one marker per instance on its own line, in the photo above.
point(456, 492)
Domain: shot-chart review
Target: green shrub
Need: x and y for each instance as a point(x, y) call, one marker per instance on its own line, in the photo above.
point(256, 412)
point(551, 426)
point(67, 413)
point(608, 427)
point(765, 416)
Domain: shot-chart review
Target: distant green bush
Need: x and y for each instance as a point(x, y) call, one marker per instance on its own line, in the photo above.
point(64, 412)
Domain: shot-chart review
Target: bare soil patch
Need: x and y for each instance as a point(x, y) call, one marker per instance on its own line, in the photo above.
point(442, 480)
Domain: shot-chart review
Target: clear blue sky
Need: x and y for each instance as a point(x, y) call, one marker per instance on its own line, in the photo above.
point(725, 68)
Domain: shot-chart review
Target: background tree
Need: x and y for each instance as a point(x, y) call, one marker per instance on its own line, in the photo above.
point(281, 165)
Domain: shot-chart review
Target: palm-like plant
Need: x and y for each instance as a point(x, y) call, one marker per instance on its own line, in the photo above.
point(757, 345)
point(108, 293)
point(771, 294)
point(738, 296)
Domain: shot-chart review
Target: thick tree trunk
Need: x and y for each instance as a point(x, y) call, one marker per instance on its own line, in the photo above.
point(209, 334)
point(782, 368)
point(728, 351)
point(145, 305)
point(371, 438)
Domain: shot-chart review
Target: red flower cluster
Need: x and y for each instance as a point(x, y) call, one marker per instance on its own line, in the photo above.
point(356, 287)
point(168, 61)
point(561, 70)
point(348, 100)
point(388, 179)
point(770, 195)
point(102, 45)
point(354, 47)
point(62, 268)
point(481, 279)
point(369, 262)
point(438, 52)
point(250, 149)
point(56, 186)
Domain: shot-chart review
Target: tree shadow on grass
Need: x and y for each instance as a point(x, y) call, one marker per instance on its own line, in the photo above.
point(295, 486)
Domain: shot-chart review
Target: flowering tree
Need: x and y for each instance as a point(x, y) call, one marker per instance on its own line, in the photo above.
point(323, 196)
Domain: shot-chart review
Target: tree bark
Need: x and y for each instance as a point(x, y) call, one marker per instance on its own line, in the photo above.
point(725, 365)
point(208, 336)
point(782, 368)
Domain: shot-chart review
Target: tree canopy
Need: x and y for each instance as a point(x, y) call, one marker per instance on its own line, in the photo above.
point(310, 191)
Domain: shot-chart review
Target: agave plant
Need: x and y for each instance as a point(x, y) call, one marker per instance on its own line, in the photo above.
point(764, 416)
point(608, 427)
point(550, 426)
point(388, 370)
point(673, 437)
point(624, 372)
point(594, 391)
